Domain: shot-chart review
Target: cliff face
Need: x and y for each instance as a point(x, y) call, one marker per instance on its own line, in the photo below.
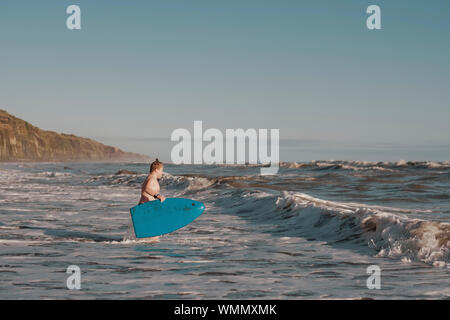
point(21, 141)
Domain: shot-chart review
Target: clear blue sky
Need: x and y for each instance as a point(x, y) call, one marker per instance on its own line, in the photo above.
point(137, 70)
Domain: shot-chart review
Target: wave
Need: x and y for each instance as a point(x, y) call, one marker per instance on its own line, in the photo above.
point(190, 185)
point(53, 174)
point(366, 165)
point(387, 230)
point(116, 179)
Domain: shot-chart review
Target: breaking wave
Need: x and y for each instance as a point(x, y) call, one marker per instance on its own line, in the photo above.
point(366, 165)
point(390, 231)
point(387, 230)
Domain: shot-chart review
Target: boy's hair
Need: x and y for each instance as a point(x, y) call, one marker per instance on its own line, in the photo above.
point(155, 165)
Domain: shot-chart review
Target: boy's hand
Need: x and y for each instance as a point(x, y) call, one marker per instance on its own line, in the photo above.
point(161, 198)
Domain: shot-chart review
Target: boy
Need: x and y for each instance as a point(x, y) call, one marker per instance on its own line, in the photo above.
point(150, 187)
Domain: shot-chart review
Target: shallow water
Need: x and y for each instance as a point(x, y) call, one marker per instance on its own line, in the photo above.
point(309, 232)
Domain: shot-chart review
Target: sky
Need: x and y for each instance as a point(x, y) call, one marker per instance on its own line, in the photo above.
point(138, 70)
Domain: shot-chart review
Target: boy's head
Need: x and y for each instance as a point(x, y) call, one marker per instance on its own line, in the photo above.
point(157, 168)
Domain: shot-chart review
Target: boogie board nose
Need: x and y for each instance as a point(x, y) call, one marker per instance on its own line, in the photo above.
point(198, 205)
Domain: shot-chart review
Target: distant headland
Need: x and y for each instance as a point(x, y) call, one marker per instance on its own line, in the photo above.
point(21, 141)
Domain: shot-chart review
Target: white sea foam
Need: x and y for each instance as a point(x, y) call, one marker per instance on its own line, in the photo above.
point(385, 229)
point(366, 165)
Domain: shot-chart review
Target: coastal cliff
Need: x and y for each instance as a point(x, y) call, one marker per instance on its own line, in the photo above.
point(21, 141)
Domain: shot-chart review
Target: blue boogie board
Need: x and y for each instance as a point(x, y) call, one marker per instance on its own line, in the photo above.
point(155, 218)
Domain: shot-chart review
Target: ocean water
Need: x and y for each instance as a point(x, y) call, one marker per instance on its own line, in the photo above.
point(309, 232)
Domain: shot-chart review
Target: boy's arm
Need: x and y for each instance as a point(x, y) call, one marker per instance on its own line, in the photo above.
point(151, 189)
point(159, 196)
